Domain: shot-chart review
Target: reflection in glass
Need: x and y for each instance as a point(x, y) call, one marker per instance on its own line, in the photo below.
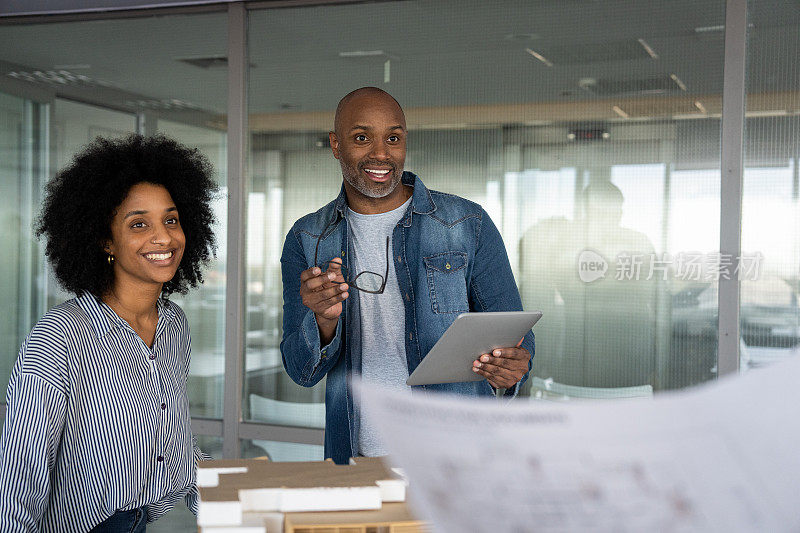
point(23, 167)
point(105, 90)
point(281, 451)
point(769, 309)
point(609, 148)
point(205, 306)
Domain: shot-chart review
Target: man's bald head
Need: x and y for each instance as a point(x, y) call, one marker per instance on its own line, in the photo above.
point(369, 141)
point(354, 96)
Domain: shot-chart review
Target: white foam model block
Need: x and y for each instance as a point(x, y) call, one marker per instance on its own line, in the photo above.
point(273, 522)
point(392, 490)
point(288, 500)
point(265, 487)
point(222, 513)
point(252, 523)
point(209, 477)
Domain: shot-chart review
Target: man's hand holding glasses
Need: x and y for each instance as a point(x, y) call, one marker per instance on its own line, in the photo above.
point(323, 292)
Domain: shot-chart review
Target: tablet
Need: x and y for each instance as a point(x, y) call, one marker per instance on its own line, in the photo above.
point(472, 334)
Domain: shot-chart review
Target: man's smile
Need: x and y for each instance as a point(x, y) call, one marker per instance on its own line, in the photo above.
point(378, 174)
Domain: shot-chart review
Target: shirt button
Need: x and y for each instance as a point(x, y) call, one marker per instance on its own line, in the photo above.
point(399, 259)
point(160, 459)
point(407, 297)
point(411, 336)
point(163, 406)
point(152, 356)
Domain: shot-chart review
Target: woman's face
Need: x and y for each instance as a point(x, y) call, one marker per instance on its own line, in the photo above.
point(147, 241)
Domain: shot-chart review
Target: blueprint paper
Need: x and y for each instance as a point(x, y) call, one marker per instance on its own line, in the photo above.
point(720, 457)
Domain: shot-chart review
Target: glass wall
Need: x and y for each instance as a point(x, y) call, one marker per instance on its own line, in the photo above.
point(590, 134)
point(770, 263)
point(23, 168)
point(589, 131)
point(205, 305)
point(175, 83)
point(74, 125)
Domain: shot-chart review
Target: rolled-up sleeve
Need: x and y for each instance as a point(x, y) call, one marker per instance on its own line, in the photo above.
point(492, 287)
point(304, 359)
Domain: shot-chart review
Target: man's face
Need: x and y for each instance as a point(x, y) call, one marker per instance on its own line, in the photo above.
point(370, 144)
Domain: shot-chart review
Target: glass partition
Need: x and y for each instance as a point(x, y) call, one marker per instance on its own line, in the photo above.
point(589, 131)
point(24, 125)
point(74, 125)
point(770, 264)
point(590, 134)
point(205, 305)
point(109, 78)
point(281, 451)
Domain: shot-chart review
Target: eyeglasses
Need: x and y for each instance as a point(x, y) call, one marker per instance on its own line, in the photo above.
point(366, 281)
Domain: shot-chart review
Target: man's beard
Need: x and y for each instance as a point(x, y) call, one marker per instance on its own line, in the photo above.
point(362, 184)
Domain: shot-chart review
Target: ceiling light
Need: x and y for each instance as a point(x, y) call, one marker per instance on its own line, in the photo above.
point(716, 30)
point(709, 29)
point(539, 56)
point(620, 112)
point(57, 77)
point(648, 49)
point(173, 104)
point(362, 53)
point(767, 113)
point(678, 81)
point(699, 105)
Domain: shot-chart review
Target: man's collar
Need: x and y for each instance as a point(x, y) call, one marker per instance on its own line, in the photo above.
point(421, 200)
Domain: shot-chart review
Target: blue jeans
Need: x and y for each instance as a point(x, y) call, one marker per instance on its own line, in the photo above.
point(133, 521)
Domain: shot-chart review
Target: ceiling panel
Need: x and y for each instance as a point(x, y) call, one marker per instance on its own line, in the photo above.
point(440, 53)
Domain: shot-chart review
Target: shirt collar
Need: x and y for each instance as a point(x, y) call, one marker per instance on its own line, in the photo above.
point(104, 319)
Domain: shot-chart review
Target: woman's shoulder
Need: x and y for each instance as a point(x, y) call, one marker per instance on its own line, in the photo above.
point(64, 318)
point(45, 351)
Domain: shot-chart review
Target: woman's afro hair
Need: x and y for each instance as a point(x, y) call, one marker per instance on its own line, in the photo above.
point(81, 201)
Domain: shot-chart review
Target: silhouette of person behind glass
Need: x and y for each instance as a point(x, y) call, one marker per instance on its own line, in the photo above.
point(598, 332)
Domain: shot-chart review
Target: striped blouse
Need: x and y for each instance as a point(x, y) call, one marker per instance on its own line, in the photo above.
point(96, 421)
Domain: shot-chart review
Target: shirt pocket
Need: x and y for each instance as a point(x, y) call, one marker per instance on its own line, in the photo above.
point(447, 282)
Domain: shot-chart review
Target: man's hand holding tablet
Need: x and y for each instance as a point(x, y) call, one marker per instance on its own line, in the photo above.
point(476, 346)
point(504, 367)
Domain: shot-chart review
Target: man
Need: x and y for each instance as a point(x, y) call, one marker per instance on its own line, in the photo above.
point(374, 278)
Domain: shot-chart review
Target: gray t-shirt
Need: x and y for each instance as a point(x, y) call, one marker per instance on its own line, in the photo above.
point(382, 316)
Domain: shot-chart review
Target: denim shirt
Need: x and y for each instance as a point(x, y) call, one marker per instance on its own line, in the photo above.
point(449, 259)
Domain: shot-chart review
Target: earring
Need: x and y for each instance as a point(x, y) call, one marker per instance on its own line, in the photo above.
point(110, 260)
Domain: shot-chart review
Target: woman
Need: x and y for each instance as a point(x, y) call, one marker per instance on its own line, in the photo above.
point(97, 432)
